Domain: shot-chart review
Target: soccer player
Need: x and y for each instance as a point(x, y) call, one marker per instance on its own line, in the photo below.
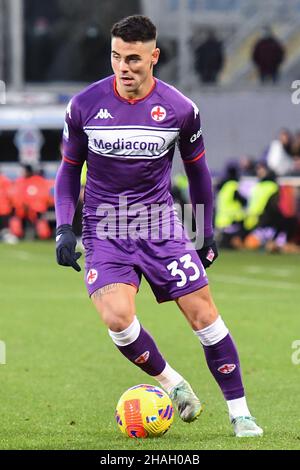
point(126, 127)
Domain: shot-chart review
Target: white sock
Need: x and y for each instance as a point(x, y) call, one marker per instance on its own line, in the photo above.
point(127, 336)
point(213, 333)
point(169, 378)
point(209, 336)
point(238, 407)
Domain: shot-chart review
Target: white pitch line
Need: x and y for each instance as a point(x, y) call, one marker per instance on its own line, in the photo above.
point(22, 255)
point(44, 296)
point(26, 255)
point(278, 272)
point(243, 280)
point(262, 296)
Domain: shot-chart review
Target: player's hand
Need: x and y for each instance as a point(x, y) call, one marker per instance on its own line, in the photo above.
point(65, 247)
point(208, 253)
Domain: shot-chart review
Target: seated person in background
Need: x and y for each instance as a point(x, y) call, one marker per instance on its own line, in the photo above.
point(265, 221)
point(267, 55)
point(279, 155)
point(230, 212)
point(6, 210)
point(31, 198)
point(247, 166)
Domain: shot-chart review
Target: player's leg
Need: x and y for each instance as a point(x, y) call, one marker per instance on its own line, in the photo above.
point(221, 356)
point(169, 269)
point(116, 305)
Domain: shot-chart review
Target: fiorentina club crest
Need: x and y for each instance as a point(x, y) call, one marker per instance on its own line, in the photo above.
point(210, 255)
point(142, 358)
point(158, 113)
point(92, 276)
point(226, 368)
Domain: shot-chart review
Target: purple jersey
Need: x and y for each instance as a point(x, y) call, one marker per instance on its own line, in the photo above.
point(129, 144)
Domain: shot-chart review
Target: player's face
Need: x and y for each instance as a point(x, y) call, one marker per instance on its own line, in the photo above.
point(132, 63)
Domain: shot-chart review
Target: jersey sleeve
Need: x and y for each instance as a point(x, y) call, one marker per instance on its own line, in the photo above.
point(75, 143)
point(191, 145)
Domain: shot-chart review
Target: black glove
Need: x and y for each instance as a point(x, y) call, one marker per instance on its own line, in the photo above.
point(208, 253)
point(65, 247)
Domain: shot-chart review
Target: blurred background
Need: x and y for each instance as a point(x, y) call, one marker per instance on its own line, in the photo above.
point(239, 60)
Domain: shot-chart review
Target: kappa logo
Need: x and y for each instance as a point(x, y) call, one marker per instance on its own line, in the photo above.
point(227, 368)
point(92, 276)
point(68, 110)
point(196, 109)
point(142, 358)
point(103, 114)
point(158, 113)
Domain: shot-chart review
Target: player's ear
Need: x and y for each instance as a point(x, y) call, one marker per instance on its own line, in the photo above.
point(155, 55)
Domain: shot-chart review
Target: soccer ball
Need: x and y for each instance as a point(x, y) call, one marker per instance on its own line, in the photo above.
point(144, 411)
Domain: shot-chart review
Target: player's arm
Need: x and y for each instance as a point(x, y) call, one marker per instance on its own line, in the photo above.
point(192, 150)
point(67, 188)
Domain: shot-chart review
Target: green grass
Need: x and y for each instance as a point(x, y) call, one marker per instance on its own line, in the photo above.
point(63, 376)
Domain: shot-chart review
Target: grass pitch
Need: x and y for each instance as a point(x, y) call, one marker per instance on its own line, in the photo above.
point(63, 376)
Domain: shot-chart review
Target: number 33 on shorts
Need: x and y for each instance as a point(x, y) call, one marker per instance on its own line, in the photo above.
point(186, 263)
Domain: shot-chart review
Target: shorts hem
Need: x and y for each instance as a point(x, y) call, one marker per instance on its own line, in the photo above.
point(177, 294)
point(112, 282)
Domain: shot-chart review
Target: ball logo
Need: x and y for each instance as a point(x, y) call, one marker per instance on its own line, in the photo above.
point(92, 276)
point(158, 113)
point(142, 358)
point(134, 419)
point(226, 368)
point(144, 411)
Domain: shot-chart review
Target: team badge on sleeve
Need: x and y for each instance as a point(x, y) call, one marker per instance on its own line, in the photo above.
point(158, 113)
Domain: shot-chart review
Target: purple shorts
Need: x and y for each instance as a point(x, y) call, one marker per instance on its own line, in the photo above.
point(171, 267)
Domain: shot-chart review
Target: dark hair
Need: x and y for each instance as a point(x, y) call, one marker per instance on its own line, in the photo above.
point(134, 28)
point(28, 169)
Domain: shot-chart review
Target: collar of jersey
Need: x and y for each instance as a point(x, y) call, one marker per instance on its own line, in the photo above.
point(136, 100)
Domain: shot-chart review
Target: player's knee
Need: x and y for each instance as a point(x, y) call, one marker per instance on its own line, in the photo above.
point(116, 312)
point(117, 317)
point(205, 314)
point(202, 317)
point(199, 309)
point(117, 323)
